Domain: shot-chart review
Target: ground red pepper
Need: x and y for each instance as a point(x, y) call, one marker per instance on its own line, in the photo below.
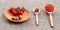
point(36, 10)
point(49, 8)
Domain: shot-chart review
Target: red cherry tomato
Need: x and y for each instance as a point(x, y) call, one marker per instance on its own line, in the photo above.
point(49, 8)
point(23, 9)
point(19, 12)
point(17, 9)
point(12, 11)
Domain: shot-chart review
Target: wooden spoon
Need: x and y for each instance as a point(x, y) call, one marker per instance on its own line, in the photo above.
point(50, 9)
point(36, 12)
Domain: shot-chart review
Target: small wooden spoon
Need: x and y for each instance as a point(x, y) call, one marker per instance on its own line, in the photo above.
point(50, 9)
point(36, 12)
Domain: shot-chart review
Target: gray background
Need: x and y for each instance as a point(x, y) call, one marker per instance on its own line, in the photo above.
point(30, 24)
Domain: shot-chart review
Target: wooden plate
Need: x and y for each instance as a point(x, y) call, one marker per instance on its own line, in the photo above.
point(26, 15)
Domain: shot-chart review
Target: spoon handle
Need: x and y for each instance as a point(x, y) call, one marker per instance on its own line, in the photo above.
point(51, 20)
point(37, 19)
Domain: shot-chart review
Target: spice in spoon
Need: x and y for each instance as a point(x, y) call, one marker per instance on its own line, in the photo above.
point(49, 8)
point(36, 10)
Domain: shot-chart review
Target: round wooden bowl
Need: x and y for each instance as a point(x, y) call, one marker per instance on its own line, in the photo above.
point(26, 15)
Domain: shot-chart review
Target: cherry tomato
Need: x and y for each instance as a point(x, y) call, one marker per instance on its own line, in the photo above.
point(19, 12)
point(23, 9)
point(12, 11)
point(17, 9)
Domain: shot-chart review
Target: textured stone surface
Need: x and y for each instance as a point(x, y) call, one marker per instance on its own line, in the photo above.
point(30, 24)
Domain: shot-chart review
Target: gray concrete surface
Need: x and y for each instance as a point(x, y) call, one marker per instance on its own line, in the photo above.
point(30, 24)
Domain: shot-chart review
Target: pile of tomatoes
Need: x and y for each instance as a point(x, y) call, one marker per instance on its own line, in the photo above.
point(17, 11)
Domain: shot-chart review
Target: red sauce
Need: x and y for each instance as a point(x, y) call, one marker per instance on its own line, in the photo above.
point(49, 8)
